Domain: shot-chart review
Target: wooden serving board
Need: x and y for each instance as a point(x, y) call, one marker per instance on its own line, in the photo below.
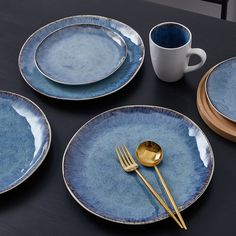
point(215, 121)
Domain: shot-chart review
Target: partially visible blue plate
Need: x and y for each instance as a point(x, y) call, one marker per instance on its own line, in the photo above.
point(94, 177)
point(25, 137)
point(114, 82)
point(80, 54)
point(220, 88)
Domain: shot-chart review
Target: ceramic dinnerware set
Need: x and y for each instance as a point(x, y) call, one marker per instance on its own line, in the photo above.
point(87, 57)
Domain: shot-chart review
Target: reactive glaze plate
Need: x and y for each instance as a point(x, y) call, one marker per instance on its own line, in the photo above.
point(95, 179)
point(221, 88)
point(25, 137)
point(131, 65)
point(80, 54)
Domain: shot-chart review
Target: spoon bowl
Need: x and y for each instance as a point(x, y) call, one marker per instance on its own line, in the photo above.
point(149, 153)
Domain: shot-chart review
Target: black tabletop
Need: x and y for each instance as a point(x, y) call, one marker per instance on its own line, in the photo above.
point(42, 205)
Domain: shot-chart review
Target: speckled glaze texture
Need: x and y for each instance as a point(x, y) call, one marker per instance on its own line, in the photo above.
point(116, 81)
point(80, 54)
point(25, 137)
point(170, 35)
point(95, 179)
point(221, 88)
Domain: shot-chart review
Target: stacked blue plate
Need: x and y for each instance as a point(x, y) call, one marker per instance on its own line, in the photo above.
point(80, 54)
point(220, 88)
point(81, 57)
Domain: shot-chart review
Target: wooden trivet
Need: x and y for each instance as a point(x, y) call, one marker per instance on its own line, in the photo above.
point(215, 121)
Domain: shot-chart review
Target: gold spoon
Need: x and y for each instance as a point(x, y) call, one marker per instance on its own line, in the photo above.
point(150, 154)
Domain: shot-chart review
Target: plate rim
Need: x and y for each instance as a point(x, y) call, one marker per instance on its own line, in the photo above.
point(206, 90)
point(157, 219)
point(37, 64)
point(43, 157)
point(142, 46)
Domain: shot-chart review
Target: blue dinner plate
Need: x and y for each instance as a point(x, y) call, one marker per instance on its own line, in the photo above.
point(80, 54)
point(95, 179)
point(221, 88)
point(114, 82)
point(25, 137)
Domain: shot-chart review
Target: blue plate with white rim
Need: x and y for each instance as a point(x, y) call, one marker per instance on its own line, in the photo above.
point(80, 54)
point(114, 82)
point(25, 137)
point(220, 88)
point(94, 177)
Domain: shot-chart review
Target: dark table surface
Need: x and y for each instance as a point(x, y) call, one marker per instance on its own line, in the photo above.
point(42, 205)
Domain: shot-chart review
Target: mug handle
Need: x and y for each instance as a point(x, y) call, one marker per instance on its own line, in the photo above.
point(201, 53)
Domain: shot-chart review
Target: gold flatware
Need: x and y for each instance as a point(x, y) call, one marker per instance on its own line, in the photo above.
point(128, 164)
point(150, 154)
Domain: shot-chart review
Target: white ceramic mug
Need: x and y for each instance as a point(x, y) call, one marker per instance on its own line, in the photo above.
point(170, 48)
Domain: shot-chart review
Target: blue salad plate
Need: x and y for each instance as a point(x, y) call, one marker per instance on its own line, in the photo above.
point(25, 137)
point(80, 54)
point(121, 77)
point(220, 88)
point(94, 177)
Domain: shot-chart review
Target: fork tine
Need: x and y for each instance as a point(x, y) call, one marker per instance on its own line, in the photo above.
point(121, 157)
point(126, 155)
point(129, 155)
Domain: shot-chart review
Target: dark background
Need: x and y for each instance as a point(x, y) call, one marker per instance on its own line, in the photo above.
point(42, 205)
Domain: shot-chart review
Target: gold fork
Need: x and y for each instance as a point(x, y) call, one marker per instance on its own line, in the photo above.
point(128, 164)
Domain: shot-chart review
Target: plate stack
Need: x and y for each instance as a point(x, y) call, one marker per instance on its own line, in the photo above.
point(216, 97)
point(81, 57)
